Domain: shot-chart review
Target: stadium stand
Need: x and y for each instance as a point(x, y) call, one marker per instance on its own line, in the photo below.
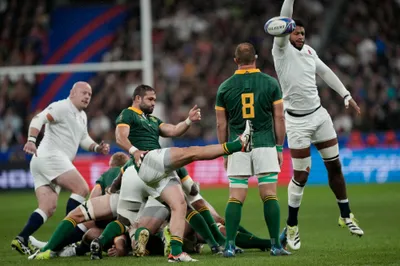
point(193, 53)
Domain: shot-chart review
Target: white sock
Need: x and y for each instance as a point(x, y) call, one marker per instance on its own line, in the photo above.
point(77, 197)
point(295, 194)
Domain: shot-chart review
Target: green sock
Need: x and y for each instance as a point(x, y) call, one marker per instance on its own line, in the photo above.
point(64, 229)
point(244, 240)
point(200, 226)
point(176, 245)
point(112, 230)
point(137, 232)
point(243, 230)
point(219, 237)
point(231, 147)
point(272, 218)
point(233, 214)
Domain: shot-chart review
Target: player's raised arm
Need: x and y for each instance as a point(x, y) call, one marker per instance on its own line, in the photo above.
point(334, 82)
point(286, 11)
point(169, 130)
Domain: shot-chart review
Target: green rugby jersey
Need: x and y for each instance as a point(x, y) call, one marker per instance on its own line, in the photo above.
point(107, 178)
point(250, 94)
point(144, 130)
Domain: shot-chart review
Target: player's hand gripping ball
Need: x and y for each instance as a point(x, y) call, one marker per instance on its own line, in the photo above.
point(279, 26)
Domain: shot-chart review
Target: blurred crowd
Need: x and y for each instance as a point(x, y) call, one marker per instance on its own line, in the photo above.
point(194, 43)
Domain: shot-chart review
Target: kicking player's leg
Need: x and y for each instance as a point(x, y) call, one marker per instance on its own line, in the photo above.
point(180, 157)
point(74, 182)
point(47, 201)
point(325, 140)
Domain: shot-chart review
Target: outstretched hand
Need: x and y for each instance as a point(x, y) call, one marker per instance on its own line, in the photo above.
point(103, 148)
point(195, 114)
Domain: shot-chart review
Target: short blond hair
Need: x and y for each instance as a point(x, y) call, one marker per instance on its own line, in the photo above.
point(118, 159)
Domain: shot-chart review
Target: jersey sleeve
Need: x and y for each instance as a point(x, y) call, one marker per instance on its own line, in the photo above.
point(56, 110)
point(125, 118)
point(276, 92)
point(220, 103)
point(100, 182)
point(159, 121)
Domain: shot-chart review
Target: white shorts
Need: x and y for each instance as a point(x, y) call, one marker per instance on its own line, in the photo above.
point(313, 128)
point(258, 161)
point(134, 192)
point(152, 170)
point(114, 203)
point(45, 169)
point(153, 208)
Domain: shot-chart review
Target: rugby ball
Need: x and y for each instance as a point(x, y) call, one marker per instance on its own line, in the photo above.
point(279, 26)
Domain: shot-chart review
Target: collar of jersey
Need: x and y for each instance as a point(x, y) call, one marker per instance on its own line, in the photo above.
point(74, 109)
point(247, 71)
point(138, 111)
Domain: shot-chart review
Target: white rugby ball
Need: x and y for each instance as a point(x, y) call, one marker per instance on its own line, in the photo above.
point(279, 26)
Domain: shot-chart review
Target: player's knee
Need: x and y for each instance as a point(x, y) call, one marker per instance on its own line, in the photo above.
point(179, 205)
point(301, 167)
point(77, 215)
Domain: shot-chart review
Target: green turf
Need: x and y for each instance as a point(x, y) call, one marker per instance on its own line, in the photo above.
point(323, 242)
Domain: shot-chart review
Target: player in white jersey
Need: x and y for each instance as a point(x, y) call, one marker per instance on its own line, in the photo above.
point(308, 122)
point(51, 164)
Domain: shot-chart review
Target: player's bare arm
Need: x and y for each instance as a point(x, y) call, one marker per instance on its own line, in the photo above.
point(222, 125)
point(286, 11)
point(334, 82)
point(169, 130)
point(121, 136)
point(279, 127)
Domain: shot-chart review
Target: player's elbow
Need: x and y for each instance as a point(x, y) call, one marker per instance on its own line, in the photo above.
point(279, 118)
point(221, 125)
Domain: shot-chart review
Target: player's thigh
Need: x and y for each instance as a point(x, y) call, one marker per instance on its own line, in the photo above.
point(97, 208)
point(152, 169)
point(73, 181)
point(325, 130)
point(299, 130)
point(239, 164)
point(172, 194)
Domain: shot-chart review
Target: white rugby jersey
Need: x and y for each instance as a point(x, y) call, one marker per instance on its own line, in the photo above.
point(296, 73)
point(62, 137)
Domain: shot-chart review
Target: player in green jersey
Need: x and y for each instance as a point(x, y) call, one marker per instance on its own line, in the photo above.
point(255, 96)
point(100, 206)
point(136, 126)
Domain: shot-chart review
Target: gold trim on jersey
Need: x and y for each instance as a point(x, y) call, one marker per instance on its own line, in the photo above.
point(247, 71)
point(219, 108)
point(138, 111)
point(123, 125)
point(278, 101)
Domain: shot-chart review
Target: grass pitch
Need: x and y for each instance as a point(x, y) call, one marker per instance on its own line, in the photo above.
point(323, 242)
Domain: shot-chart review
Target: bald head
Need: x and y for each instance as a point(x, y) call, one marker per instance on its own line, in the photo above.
point(80, 94)
point(245, 54)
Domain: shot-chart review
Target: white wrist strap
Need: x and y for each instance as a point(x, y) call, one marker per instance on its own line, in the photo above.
point(95, 147)
point(347, 99)
point(132, 150)
point(32, 139)
point(188, 121)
